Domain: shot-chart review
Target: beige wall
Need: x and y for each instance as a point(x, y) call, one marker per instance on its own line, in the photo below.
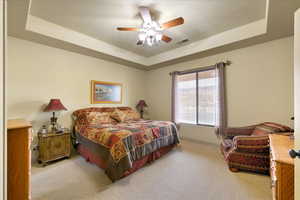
point(259, 87)
point(37, 73)
point(259, 84)
point(297, 101)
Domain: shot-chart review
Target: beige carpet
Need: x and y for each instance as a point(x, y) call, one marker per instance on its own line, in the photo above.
point(193, 171)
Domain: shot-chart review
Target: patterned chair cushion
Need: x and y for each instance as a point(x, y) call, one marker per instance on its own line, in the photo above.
point(270, 127)
point(251, 144)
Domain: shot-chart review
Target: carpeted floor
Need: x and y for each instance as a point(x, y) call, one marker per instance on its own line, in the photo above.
point(191, 172)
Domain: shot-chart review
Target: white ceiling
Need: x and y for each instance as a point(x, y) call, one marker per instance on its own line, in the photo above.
point(99, 18)
point(212, 26)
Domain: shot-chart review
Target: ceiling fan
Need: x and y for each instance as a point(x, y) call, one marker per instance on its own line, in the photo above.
point(151, 32)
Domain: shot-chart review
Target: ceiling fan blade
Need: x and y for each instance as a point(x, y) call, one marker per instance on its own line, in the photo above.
point(172, 23)
point(145, 14)
point(140, 42)
point(166, 39)
point(127, 29)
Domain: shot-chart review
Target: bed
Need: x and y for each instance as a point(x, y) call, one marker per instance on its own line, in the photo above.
point(117, 140)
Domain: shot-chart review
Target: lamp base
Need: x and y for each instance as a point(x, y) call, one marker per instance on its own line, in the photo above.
point(142, 113)
point(54, 124)
point(55, 128)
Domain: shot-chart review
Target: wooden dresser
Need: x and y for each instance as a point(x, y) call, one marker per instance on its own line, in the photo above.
point(281, 167)
point(18, 159)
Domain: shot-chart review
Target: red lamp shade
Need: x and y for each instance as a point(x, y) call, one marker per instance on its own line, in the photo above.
point(141, 104)
point(54, 105)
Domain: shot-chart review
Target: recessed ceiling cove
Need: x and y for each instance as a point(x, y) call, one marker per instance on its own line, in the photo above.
point(100, 18)
point(89, 27)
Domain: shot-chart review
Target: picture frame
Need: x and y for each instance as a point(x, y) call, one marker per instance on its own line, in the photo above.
point(106, 92)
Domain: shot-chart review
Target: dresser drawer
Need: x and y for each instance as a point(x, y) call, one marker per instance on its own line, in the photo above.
point(281, 167)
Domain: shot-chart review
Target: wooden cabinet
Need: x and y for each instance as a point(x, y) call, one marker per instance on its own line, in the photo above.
point(281, 167)
point(53, 146)
point(18, 159)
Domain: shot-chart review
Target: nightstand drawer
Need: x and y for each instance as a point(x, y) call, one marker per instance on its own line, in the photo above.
point(58, 146)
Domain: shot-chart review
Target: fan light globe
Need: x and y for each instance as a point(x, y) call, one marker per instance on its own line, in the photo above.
point(142, 36)
point(158, 37)
point(151, 32)
point(149, 41)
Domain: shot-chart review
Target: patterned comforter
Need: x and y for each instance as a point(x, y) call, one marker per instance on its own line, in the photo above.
point(124, 143)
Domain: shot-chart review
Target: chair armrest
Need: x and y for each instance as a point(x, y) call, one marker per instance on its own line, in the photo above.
point(231, 132)
point(284, 133)
point(251, 144)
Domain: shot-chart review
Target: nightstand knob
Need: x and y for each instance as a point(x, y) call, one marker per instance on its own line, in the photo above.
point(294, 153)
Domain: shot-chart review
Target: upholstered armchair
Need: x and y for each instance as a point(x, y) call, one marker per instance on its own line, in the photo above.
point(247, 148)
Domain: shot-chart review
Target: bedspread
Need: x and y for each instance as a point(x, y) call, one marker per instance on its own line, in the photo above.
point(123, 143)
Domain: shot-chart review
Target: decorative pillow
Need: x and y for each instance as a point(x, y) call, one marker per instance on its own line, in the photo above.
point(125, 115)
point(95, 118)
point(119, 115)
point(270, 127)
point(132, 115)
point(85, 111)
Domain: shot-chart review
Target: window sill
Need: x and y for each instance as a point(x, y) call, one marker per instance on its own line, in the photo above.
point(191, 124)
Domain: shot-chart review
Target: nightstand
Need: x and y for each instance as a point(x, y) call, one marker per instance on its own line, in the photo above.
point(53, 146)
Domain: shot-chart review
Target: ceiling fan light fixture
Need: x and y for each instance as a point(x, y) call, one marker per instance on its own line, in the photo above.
point(158, 37)
point(151, 32)
point(150, 41)
point(142, 36)
point(156, 26)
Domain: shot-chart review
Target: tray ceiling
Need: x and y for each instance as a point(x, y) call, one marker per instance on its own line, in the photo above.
point(99, 18)
point(89, 27)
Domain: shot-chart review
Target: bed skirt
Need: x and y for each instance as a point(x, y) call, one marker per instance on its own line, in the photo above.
point(92, 157)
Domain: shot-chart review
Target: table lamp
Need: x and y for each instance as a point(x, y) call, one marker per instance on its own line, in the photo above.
point(140, 106)
point(54, 106)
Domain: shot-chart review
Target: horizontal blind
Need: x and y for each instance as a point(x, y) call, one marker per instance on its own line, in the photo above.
point(207, 96)
point(186, 98)
point(188, 110)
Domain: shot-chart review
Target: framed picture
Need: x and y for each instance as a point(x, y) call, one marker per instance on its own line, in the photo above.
point(106, 92)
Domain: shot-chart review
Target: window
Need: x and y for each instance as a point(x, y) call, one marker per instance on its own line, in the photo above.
point(196, 97)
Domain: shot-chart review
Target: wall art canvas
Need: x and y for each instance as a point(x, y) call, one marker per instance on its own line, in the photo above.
point(106, 92)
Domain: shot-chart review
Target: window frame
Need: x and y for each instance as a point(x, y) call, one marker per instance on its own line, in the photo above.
point(197, 96)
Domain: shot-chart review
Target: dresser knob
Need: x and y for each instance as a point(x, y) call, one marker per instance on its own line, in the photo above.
point(294, 153)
